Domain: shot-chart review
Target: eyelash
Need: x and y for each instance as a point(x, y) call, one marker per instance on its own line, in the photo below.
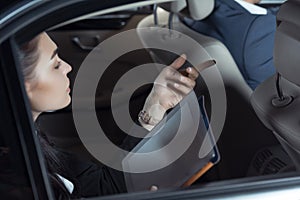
point(58, 65)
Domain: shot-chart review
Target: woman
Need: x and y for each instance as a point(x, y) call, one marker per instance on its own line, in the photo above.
point(48, 88)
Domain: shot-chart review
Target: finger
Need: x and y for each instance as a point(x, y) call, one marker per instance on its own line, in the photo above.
point(179, 89)
point(179, 61)
point(187, 81)
point(192, 73)
point(205, 65)
point(181, 80)
point(153, 188)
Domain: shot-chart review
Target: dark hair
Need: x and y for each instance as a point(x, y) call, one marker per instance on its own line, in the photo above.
point(28, 56)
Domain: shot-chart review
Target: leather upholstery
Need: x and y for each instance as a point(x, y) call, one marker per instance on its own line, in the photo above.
point(195, 9)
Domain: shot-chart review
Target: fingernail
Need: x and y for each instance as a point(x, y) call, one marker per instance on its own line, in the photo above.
point(183, 55)
point(176, 85)
point(189, 69)
point(154, 188)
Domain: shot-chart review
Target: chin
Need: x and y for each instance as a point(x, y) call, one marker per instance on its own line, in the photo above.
point(66, 103)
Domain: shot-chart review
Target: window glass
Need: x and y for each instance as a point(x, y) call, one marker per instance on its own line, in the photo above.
point(14, 180)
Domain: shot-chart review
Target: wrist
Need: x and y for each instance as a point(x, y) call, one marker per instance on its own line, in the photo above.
point(148, 118)
point(146, 126)
point(152, 112)
point(144, 119)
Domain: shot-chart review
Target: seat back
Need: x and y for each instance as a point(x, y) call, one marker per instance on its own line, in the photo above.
point(198, 10)
point(242, 127)
point(277, 100)
point(227, 67)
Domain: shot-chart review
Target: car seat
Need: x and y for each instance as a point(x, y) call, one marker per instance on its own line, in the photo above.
point(197, 10)
point(277, 100)
point(238, 140)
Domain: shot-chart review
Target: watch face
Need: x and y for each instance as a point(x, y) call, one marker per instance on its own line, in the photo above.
point(144, 116)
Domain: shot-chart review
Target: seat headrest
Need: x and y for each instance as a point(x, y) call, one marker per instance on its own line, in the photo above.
point(287, 41)
point(195, 9)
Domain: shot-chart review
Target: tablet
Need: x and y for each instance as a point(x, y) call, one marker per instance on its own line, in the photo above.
point(156, 165)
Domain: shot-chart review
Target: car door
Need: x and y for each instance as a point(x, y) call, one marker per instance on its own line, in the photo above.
point(32, 17)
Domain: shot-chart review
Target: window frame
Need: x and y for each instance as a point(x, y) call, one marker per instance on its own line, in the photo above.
point(16, 30)
point(21, 125)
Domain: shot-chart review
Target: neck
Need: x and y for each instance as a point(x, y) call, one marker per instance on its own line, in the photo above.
point(35, 115)
point(252, 1)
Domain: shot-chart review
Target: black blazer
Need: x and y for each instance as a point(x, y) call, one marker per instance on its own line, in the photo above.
point(92, 179)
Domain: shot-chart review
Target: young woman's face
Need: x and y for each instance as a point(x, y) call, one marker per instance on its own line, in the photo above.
point(49, 89)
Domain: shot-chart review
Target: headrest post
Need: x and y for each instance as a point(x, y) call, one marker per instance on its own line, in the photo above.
point(278, 87)
point(281, 100)
point(170, 22)
point(155, 14)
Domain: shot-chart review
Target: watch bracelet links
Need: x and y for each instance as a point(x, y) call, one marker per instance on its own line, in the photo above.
point(147, 119)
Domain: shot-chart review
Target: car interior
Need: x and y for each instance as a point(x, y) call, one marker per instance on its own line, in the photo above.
point(257, 138)
point(278, 107)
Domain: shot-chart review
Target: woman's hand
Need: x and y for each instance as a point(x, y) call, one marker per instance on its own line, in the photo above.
point(169, 88)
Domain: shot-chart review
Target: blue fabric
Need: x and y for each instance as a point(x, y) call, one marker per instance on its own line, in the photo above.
point(248, 37)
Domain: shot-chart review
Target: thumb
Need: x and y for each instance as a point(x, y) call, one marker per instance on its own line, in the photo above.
point(179, 61)
point(153, 188)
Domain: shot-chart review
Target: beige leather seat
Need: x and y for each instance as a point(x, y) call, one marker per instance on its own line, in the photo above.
point(242, 127)
point(198, 10)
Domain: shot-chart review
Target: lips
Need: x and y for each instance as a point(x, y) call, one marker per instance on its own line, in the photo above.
point(68, 89)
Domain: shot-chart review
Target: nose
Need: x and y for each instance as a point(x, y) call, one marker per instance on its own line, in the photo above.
point(67, 68)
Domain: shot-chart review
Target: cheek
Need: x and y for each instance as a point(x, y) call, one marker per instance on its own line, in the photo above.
point(50, 95)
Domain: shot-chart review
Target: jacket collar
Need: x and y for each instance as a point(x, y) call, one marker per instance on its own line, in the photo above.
point(252, 8)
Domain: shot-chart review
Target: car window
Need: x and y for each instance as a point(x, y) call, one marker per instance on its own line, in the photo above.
point(14, 179)
point(244, 158)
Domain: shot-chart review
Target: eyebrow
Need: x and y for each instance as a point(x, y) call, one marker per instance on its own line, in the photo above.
point(54, 53)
